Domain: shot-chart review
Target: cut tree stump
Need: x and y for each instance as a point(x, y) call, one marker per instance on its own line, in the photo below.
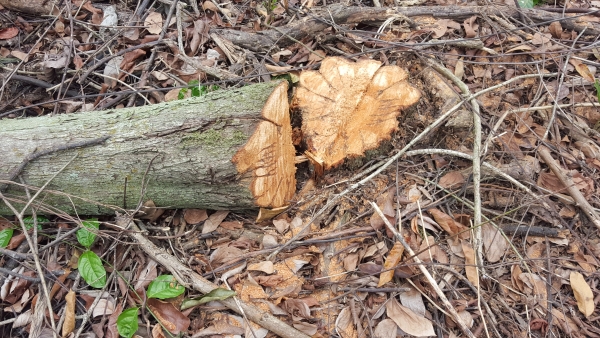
point(230, 149)
point(350, 107)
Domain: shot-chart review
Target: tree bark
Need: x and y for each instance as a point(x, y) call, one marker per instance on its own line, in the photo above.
point(36, 7)
point(322, 18)
point(230, 149)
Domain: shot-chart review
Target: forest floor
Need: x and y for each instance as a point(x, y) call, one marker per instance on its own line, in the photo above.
point(485, 225)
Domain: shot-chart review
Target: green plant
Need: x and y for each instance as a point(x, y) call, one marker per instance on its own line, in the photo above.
point(196, 89)
point(127, 322)
point(530, 3)
point(164, 287)
point(29, 222)
point(270, 5)
point(89, 264)
point(5, 236)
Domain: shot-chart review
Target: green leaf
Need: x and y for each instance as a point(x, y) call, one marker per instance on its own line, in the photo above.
point(196, 91)
point(86, 237)
point(163, 287)
point(91, 269)
point(216, 294)
point(127, 322)
point(597, 86)
point(181, 94)
point(5, 236)
point(29, 222)
point(526, 3)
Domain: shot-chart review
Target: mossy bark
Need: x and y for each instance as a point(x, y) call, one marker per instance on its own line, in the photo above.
point(184, 149)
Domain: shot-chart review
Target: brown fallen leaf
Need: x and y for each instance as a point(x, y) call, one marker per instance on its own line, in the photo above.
point(213, 221)
point(494, 243)
point(583, 293)
point(69, 323)
point(555, 29)
point(154, 23)
point(392, 259)
point(386, 329)
point(451, 180)
point(264, 266)
point(471, 27)
point(194, 216)
point(8, 33)
point(470, 263)
point(582, 69)
point(449, 225)
point(407, 320)
point(171, 319)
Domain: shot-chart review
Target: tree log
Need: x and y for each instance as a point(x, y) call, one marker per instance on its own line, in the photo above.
point(321, 18)
point(230, 149)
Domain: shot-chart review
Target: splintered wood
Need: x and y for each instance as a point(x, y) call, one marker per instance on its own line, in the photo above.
point(269, 155)
point(348, 108)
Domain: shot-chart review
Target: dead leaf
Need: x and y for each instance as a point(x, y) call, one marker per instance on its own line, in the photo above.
point(264, 266)
point(147, 275)
point(77, 62)
point(451, 180)
point(343, 323)
point(583, 293)
point(199, 35)
point(209, 6)
point(392, 259)
point(540, 39)
point(194, 216)
point(413, 300)
point(307, 328)
point(386, 329)
point(407, 320)
point(173, 94)
point(104, 307)
point(555, 29)
point(224, 254)
point(471, 27)
point(449, 225)
point(154, 23)
point(150, 212)
point(281, 225)
point(8, 33)
point(350, 107)
point(69, 323)
point(386, 203)
point(213, 221)
point(582, 69)
point(170, 318)
point(430, 250)
point(470, 263)
point(536, 286)
point(459, 69)
point(494, 243)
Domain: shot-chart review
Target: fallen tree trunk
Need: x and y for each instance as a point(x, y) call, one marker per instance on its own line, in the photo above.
point(230, 149)
point(321, 19)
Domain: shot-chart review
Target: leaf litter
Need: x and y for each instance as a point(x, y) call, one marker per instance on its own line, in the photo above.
point(347, 276)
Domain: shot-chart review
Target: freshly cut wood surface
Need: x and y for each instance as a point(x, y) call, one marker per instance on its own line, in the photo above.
point(350, 107)
point(230, 149)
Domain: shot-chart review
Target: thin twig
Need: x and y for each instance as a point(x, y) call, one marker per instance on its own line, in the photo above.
point(567, 181)
point(476, 159)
